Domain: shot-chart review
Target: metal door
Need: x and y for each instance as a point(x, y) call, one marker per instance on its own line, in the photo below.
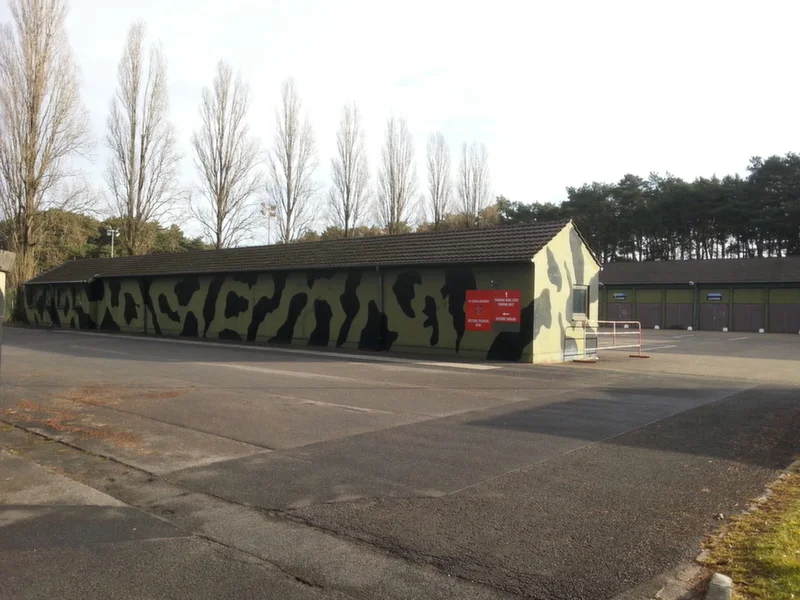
point(679, 315)
point(784, 318)
point(649, 314)
point(620, 311)
point(748, 317)
point(713, 317)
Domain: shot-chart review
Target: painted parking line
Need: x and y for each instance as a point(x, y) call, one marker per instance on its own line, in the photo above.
point(747, 337)
point(659, 348)
point(677, 337)
point(103, 350)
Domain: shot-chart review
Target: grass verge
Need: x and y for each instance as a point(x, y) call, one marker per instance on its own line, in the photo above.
point(760, 550)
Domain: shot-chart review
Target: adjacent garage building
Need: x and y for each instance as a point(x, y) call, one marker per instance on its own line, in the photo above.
point(737, 294)
point(519, 293)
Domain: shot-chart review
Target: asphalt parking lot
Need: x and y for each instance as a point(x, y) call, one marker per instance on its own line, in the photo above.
point(567, 481)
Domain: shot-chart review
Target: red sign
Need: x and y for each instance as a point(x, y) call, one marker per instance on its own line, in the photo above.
point(507, 306)
point(479, 310)
point(484, 307)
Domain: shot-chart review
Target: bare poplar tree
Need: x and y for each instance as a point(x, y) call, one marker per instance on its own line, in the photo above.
point(397, 177)
point(227, 160)
point(142, 172)
point(42, 125)
point(292, 162)
point(474, 190)
point(439, 179)
point(349, 194)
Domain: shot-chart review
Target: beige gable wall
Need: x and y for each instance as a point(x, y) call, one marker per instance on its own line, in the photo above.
point(561, 265)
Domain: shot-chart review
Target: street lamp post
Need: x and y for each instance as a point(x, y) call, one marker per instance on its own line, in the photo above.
point(270, 211)
point(113, 233)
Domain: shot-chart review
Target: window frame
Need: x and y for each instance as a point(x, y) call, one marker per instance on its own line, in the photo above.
point(581, 315)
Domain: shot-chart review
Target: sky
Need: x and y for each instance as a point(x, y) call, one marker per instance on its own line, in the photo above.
point(562, 93)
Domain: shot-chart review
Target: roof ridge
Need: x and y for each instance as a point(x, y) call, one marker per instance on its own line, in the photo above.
point(500, 243)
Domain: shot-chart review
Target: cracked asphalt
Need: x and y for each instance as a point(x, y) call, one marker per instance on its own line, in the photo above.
point(255, 473)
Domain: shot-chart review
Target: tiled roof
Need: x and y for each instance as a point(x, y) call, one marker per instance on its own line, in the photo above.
point(726, 270)
point(503, 244)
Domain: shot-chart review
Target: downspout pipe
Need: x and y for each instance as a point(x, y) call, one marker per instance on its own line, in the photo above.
point(379, 333)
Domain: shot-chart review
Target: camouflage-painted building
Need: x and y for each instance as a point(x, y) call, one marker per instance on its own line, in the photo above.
point(407, 293)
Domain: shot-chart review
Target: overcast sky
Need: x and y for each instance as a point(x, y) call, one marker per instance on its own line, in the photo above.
point(561, 93)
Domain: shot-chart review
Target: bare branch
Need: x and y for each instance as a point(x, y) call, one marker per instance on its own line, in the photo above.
point(439, 179)
point(349, 196)
point(42, 123)
point(142, 171)
point(227, 159)
point(292, 161)
point(474, 188)
point(397, 178)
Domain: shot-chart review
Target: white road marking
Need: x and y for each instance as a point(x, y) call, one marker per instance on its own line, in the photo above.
point(314, 353)
point(677, 337)
point(747, 337)
point(346, 407)
point(99, 349)
point(659, 348)
point(300, 374)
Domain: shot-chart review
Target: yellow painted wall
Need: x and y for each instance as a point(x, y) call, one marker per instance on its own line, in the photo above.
point(564, 263)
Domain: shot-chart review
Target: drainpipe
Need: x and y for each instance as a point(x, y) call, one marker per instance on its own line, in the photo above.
point(694, 285)
point(380, 306)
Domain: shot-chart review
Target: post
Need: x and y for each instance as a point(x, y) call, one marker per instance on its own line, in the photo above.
point(113, 233)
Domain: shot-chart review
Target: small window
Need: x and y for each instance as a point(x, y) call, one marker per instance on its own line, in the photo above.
point(580, 302)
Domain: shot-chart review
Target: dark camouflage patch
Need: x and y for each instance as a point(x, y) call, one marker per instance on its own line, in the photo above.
point(432, 320)
point(185, 289)
point(376, 334)
point(322, 331)
point(350, 305)
point(249, 279)
point(95, 290)
point(144, 288)
point(235, 305)
point(266, 305)
point(131, 309)
point(210, 305)
point(191, 327)
point(166, 309)
point(456, 283)
point(109, 324)
point(114, 285)
point(510, 345)
point(312, 276)
point(230, 335)
point(285, 332)
point(403, 289)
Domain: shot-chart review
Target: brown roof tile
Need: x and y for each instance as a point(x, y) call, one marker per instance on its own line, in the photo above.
point(505, 244)
point(719, 271)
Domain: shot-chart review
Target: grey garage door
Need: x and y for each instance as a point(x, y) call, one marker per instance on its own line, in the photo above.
point(679, 315)
point(649, 314)
point(784, 318)
point(620, 311)
point(713, 317)
point(748, 317)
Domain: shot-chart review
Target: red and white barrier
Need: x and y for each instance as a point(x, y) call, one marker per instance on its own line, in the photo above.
point(620, 335)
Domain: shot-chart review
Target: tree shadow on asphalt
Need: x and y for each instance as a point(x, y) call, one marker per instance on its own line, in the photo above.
point(759, 426)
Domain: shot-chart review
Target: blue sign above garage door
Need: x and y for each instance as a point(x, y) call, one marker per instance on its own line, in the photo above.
point(714, 296)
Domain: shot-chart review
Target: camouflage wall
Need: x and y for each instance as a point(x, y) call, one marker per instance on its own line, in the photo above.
point(62, 306)
point(418, 310)
point(565, 263)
